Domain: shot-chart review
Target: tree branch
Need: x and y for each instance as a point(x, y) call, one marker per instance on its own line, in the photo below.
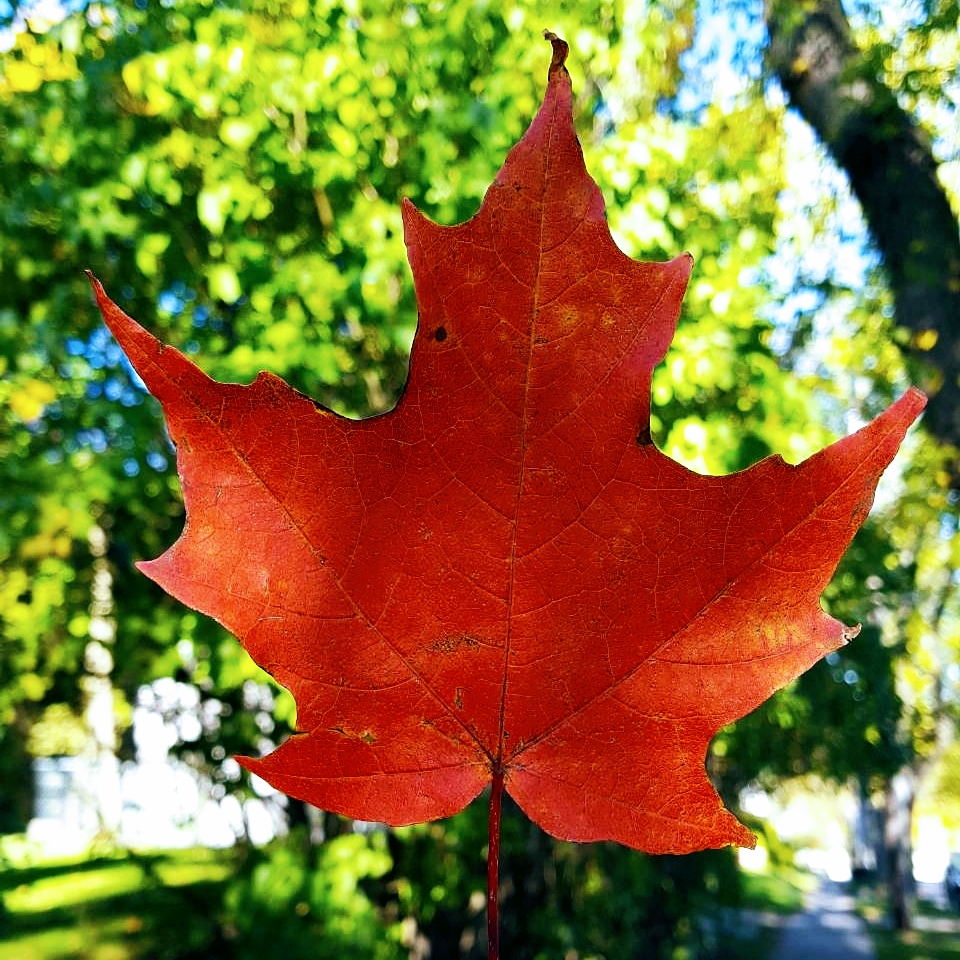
point(893, 173)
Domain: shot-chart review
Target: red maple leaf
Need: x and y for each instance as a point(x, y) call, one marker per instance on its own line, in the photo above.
point(503, 578)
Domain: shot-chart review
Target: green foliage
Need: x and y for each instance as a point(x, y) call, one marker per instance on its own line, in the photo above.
point(557, 899)
point(299, 901)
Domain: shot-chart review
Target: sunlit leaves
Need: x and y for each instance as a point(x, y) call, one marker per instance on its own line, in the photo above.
point(33, 62)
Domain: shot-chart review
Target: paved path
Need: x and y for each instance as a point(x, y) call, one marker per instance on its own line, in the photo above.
point(828, 929)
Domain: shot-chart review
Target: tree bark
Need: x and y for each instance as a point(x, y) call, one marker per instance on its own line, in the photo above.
point(893, 173)
point(898, 848)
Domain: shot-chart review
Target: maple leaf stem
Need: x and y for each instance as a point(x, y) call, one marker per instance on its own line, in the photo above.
point(493, 867)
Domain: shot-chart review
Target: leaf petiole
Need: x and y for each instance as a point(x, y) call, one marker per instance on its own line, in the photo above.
point(493, 867)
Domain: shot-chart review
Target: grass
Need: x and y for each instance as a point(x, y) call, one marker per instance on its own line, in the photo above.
point(780, 891)
point(936, 933)
point(138, 907)
point(750, 931)
point(915, 945)
point(167, 906)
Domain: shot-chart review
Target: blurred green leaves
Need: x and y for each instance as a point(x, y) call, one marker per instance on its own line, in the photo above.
point(309, 902)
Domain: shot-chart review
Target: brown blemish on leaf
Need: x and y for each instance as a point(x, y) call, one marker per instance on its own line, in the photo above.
point(453, 643)
point(367, 736)
point(568, 319)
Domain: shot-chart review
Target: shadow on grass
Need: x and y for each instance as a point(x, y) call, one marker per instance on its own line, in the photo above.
point(916, 945)
point(14, 877)
point(127, 912)
point(935, 934)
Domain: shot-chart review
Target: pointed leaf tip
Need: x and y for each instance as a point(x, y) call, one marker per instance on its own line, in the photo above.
point(113, 316)
point(97, 286)
point(560, 50)
point(914, 400)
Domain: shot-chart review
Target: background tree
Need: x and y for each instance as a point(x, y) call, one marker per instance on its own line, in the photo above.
point(842, 91)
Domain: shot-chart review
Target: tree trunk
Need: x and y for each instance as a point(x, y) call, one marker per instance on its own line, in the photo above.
point(101, 776)
point(898, 847)
point(893, 173)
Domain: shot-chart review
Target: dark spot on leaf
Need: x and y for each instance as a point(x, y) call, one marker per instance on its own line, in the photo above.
point(368, 736)
point(440, 334)
point(644, 437)
point(454, 642)
point(458, 698)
